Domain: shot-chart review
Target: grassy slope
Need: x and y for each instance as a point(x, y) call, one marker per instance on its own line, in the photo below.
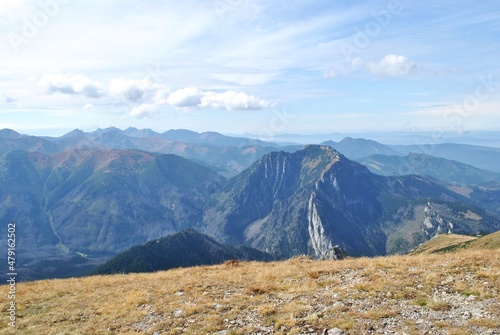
point(442, 241)
point(453, 242)
point(407, 294)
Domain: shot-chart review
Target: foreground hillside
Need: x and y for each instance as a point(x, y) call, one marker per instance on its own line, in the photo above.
point(452, 242)
point(435, 294)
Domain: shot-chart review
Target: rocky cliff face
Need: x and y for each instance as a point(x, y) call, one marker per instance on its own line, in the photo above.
point(315, 199)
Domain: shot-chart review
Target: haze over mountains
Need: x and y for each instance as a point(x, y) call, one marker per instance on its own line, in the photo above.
point(82, 198)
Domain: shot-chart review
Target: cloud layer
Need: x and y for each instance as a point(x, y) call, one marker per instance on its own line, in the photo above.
point(228, 100)
point(140, 63)
point(145, 97)
point(72, 84)
point(392, 66)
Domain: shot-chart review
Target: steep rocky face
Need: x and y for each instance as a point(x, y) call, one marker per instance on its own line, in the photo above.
point(312, 200)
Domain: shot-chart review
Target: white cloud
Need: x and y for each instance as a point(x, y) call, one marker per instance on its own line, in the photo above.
point(88, 106)
point(231, 100)
point(137, 90)
point(392, 65)
point(228, 100)
point(185, 97)
point(72, 84)
point(144, 110)
point(131, 90)
point(246, 79)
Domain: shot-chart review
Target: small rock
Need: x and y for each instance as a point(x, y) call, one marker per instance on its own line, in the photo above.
point(178, 313)
point(448, 280)
point(180, 293)
point(334, 331)
point(389, 294)
point(471, 297)
point(338, 304)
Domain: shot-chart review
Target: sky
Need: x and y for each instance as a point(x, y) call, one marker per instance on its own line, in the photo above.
point(250, 66)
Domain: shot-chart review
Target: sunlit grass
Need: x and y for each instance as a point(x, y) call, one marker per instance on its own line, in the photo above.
point(289, 297)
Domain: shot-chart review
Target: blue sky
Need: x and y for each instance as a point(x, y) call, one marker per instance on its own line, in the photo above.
point(238, 66)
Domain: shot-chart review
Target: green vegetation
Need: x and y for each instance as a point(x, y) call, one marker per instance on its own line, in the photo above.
point(184, 249)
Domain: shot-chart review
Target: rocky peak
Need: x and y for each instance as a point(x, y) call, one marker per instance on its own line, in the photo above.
point(433, 224)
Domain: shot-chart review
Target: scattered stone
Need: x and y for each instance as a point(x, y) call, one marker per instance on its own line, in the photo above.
point(448, 280)
point(334, 331)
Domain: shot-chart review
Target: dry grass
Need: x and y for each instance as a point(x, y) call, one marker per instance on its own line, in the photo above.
point(290, 297)
point(442, 241)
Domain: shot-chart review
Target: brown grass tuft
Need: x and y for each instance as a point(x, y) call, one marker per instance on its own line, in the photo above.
point(232, 263)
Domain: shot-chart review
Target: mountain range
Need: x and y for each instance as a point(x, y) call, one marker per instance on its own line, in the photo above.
point(485, 158)
point(83, 198)
point(436, 167)
point(224, 154)
point(230, 155)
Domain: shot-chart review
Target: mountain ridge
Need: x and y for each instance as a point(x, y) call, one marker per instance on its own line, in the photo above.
point(315, 198)
point(183, 249)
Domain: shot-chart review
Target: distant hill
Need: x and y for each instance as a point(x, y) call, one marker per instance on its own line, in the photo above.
point(422, 164)
point(453, 242)
point(226, 155)
point(355, 148)
point(485, 158)
point(229, 155)
point(184, 249)
point(11, 140)
point(211, 138)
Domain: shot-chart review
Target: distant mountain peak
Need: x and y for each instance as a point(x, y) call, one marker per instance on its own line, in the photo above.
point(75, 133)
point(134, 132)
point(354, 148)
point(9, 133)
